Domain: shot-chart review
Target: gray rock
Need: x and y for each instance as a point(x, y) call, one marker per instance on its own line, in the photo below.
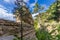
point(7, 37)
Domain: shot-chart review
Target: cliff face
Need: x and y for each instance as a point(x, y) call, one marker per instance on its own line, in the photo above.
point(8, 27)
point(13, 28)
point(24, 15)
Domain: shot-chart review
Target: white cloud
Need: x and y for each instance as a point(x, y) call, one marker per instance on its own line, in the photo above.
point(7, 0)
point(32, 4)
point(26, 1)
point(1, 6)
point(15, 0)
point(10, 1)
point(4, 14)
point(45, 6)
point(34, 14)
point(36, 1)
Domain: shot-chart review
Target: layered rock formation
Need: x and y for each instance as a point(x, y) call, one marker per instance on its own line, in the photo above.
point(13, 28)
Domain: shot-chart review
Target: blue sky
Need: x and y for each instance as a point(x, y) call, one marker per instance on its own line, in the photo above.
point(7, 6)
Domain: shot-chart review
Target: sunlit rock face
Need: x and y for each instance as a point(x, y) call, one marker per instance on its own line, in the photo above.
point(24, 16)
point(52, 27)
point(8, 28)
point(18, 20)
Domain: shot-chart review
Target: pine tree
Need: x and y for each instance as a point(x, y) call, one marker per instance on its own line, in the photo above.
point(54, 11)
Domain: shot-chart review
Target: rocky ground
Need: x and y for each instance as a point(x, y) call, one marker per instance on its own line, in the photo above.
point(7, 37)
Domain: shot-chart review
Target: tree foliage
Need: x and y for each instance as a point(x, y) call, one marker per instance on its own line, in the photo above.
point(51, 15)
point(23, 13)
point(37, 8)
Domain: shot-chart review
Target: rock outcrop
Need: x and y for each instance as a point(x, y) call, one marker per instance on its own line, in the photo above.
point(13, 28)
